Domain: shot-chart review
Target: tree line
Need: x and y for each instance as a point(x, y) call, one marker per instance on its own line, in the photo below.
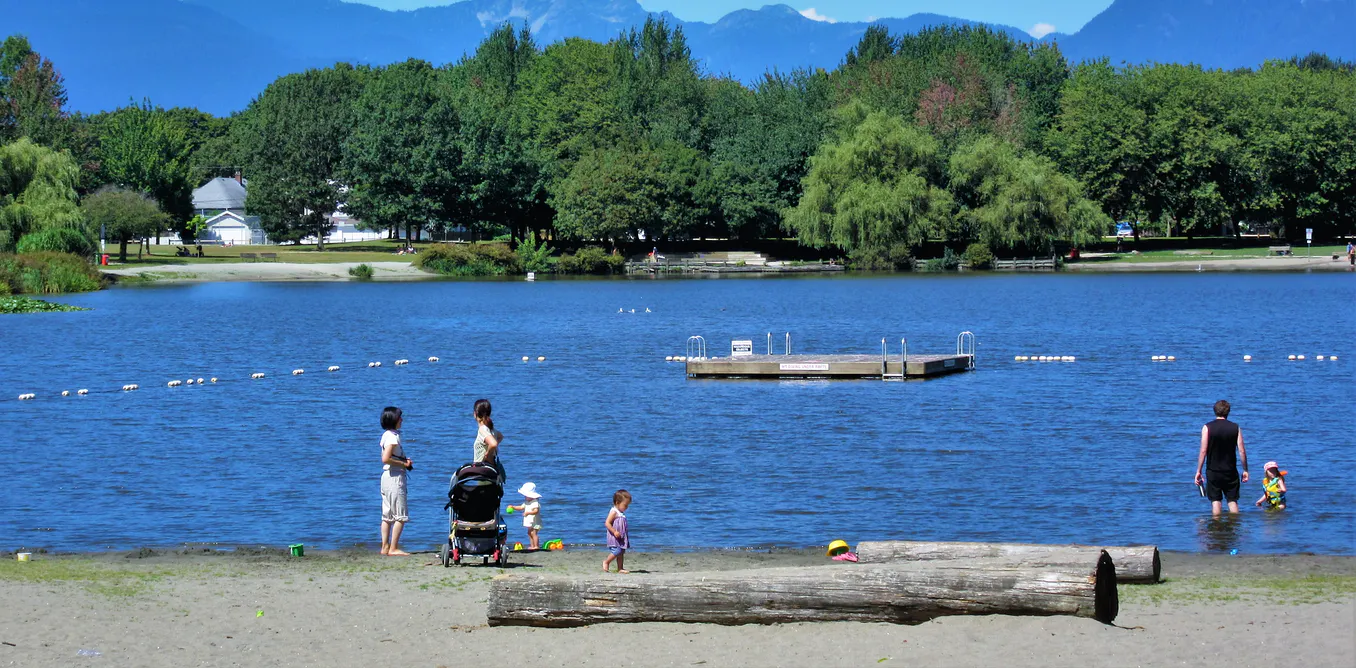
point(959, 135)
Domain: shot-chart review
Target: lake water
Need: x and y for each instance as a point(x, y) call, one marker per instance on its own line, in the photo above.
point(1097, 451)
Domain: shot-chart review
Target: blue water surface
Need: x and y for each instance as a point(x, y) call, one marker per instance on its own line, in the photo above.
point(1096, 451)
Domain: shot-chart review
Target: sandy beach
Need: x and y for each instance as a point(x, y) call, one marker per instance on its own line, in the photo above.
point(269, 271)
point(1094, 262)
point(259, 608)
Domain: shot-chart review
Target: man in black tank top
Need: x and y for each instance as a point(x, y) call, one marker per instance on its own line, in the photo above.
point(1220, 440)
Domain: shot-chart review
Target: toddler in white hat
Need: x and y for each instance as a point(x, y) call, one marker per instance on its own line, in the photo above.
point(531, 509)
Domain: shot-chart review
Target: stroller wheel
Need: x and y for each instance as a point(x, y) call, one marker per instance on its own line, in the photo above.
point(445, 555)
point(502, 558)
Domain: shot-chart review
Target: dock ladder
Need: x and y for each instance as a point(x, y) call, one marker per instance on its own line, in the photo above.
point(696, 348)
point(903, 361)
point(965, 347)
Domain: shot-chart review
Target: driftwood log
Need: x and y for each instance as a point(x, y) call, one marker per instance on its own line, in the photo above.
point(899, 593)
point(1134, 565)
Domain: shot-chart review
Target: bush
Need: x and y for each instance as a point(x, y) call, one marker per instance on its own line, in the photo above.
point(57, 240)
point(591, 260)
point(949, 261)
point(48, 273)
point(361, 272)
point(895, 258)
point(469, 260)
point(978, 256)
point(533, 257)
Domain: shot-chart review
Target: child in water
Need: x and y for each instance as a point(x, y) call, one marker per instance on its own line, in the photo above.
point(1273, 487)
point(531, 509)
point(394, 466)
point(618, 538)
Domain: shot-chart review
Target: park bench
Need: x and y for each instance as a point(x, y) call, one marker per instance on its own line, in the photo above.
point(273, 257)
point(249, 256)
point(1278, 250)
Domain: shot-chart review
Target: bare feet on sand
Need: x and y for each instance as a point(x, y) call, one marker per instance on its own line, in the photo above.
point(397, 553)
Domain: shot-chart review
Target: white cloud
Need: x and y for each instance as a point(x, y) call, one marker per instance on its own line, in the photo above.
point(816, 16)
point(1041, 30)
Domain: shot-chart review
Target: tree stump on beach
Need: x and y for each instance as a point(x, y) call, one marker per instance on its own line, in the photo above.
point(898, 593)
point(1134, 565)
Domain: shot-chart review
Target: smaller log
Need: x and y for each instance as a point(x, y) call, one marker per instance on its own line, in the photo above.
point(1134, 565)
point(897, 593)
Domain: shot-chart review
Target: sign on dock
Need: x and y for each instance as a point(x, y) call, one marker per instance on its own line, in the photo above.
point(741, 348)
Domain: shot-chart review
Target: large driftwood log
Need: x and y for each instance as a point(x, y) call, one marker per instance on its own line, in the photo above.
point(898, 593)
point(1134, 565)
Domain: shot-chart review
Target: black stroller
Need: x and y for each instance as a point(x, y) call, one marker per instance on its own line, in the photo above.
point(475, 527)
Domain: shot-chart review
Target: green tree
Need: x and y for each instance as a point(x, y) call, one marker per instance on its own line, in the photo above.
point(146, 149)
point(292, 144)
point(124, 214)
point(37, 191)
point(610, 195)
point(399, 162)
point(36, 97)
point(872, 188)
point(1005, 198)
point(14, 51)
point(1100, 137)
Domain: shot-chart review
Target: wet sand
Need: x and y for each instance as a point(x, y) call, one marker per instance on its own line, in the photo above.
point(259, 608)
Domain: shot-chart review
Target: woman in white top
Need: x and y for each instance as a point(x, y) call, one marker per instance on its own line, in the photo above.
point(394, 466)
point(488, 438)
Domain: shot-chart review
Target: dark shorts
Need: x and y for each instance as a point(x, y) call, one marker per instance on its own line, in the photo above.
point(1221, 487)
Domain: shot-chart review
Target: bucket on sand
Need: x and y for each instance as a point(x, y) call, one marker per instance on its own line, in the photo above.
point(298, 550)
point(23, 556)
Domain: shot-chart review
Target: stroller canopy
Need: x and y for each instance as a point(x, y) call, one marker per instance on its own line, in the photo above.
point(475, 492)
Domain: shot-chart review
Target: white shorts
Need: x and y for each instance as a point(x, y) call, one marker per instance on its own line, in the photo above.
point(531, 522)
point(393, 497)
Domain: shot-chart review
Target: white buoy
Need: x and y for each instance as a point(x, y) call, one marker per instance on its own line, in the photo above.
point(541, 358)
point(1171, 358)
point(256, 376)
point(647, 309)
point(433, 359)
point(173, 383)
point(1332, 358)
point(333, 368)
point(668, 358)
point(1319, 358)
point(1247, 358)
point(1291, 358)
point(633, 310)
point(524, 358)
point(25, 397)
point(200, 381)
point(1040, 358)
point(401, 362)
point(376, 364)
point(189, 381)
point(65, 393)
point(1299, 357)
point(214, 379)
point(82, 392)
point(621, 310)
point(1016, 358)
point(298, 372)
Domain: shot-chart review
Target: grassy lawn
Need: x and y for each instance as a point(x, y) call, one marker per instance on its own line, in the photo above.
point(362, 251)
point(1206, 254)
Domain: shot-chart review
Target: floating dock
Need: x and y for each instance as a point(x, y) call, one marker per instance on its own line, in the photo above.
point(884, 366)
point(828, 366)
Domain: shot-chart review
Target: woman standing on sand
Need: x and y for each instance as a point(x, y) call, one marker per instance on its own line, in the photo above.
point(488, 438)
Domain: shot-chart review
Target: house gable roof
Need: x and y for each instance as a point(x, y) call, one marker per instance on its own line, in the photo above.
point(220, 193)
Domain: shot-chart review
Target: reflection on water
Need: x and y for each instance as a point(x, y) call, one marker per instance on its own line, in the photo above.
point(1219, 533)
point(1098, 451)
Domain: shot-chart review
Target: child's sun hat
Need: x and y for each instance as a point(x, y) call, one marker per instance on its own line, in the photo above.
point(1271, 465)
point(529, 490)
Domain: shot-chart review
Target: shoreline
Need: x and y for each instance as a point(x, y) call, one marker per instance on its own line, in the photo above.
point(403, 271)
point(339, 608)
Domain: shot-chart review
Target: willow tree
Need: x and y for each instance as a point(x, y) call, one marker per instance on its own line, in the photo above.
point(37, 191)
point(873, 191)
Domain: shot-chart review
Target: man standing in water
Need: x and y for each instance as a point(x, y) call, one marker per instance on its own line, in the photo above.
point(1220, 440)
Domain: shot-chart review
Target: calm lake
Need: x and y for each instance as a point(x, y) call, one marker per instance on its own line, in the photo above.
point(1096, 451)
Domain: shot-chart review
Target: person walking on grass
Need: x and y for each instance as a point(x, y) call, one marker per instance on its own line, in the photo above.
point(394, 465)
point(1221, 450)
point(618, 537)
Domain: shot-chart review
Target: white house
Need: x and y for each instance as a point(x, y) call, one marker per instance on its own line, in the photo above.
point(218, 195)
point(229, 227)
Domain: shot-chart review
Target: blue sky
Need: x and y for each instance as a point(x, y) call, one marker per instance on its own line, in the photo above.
point(1066, 16)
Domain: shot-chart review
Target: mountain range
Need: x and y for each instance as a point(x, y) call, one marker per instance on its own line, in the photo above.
point(218, 54)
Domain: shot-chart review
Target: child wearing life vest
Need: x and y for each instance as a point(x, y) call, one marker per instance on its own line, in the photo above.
point(1273, 487)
